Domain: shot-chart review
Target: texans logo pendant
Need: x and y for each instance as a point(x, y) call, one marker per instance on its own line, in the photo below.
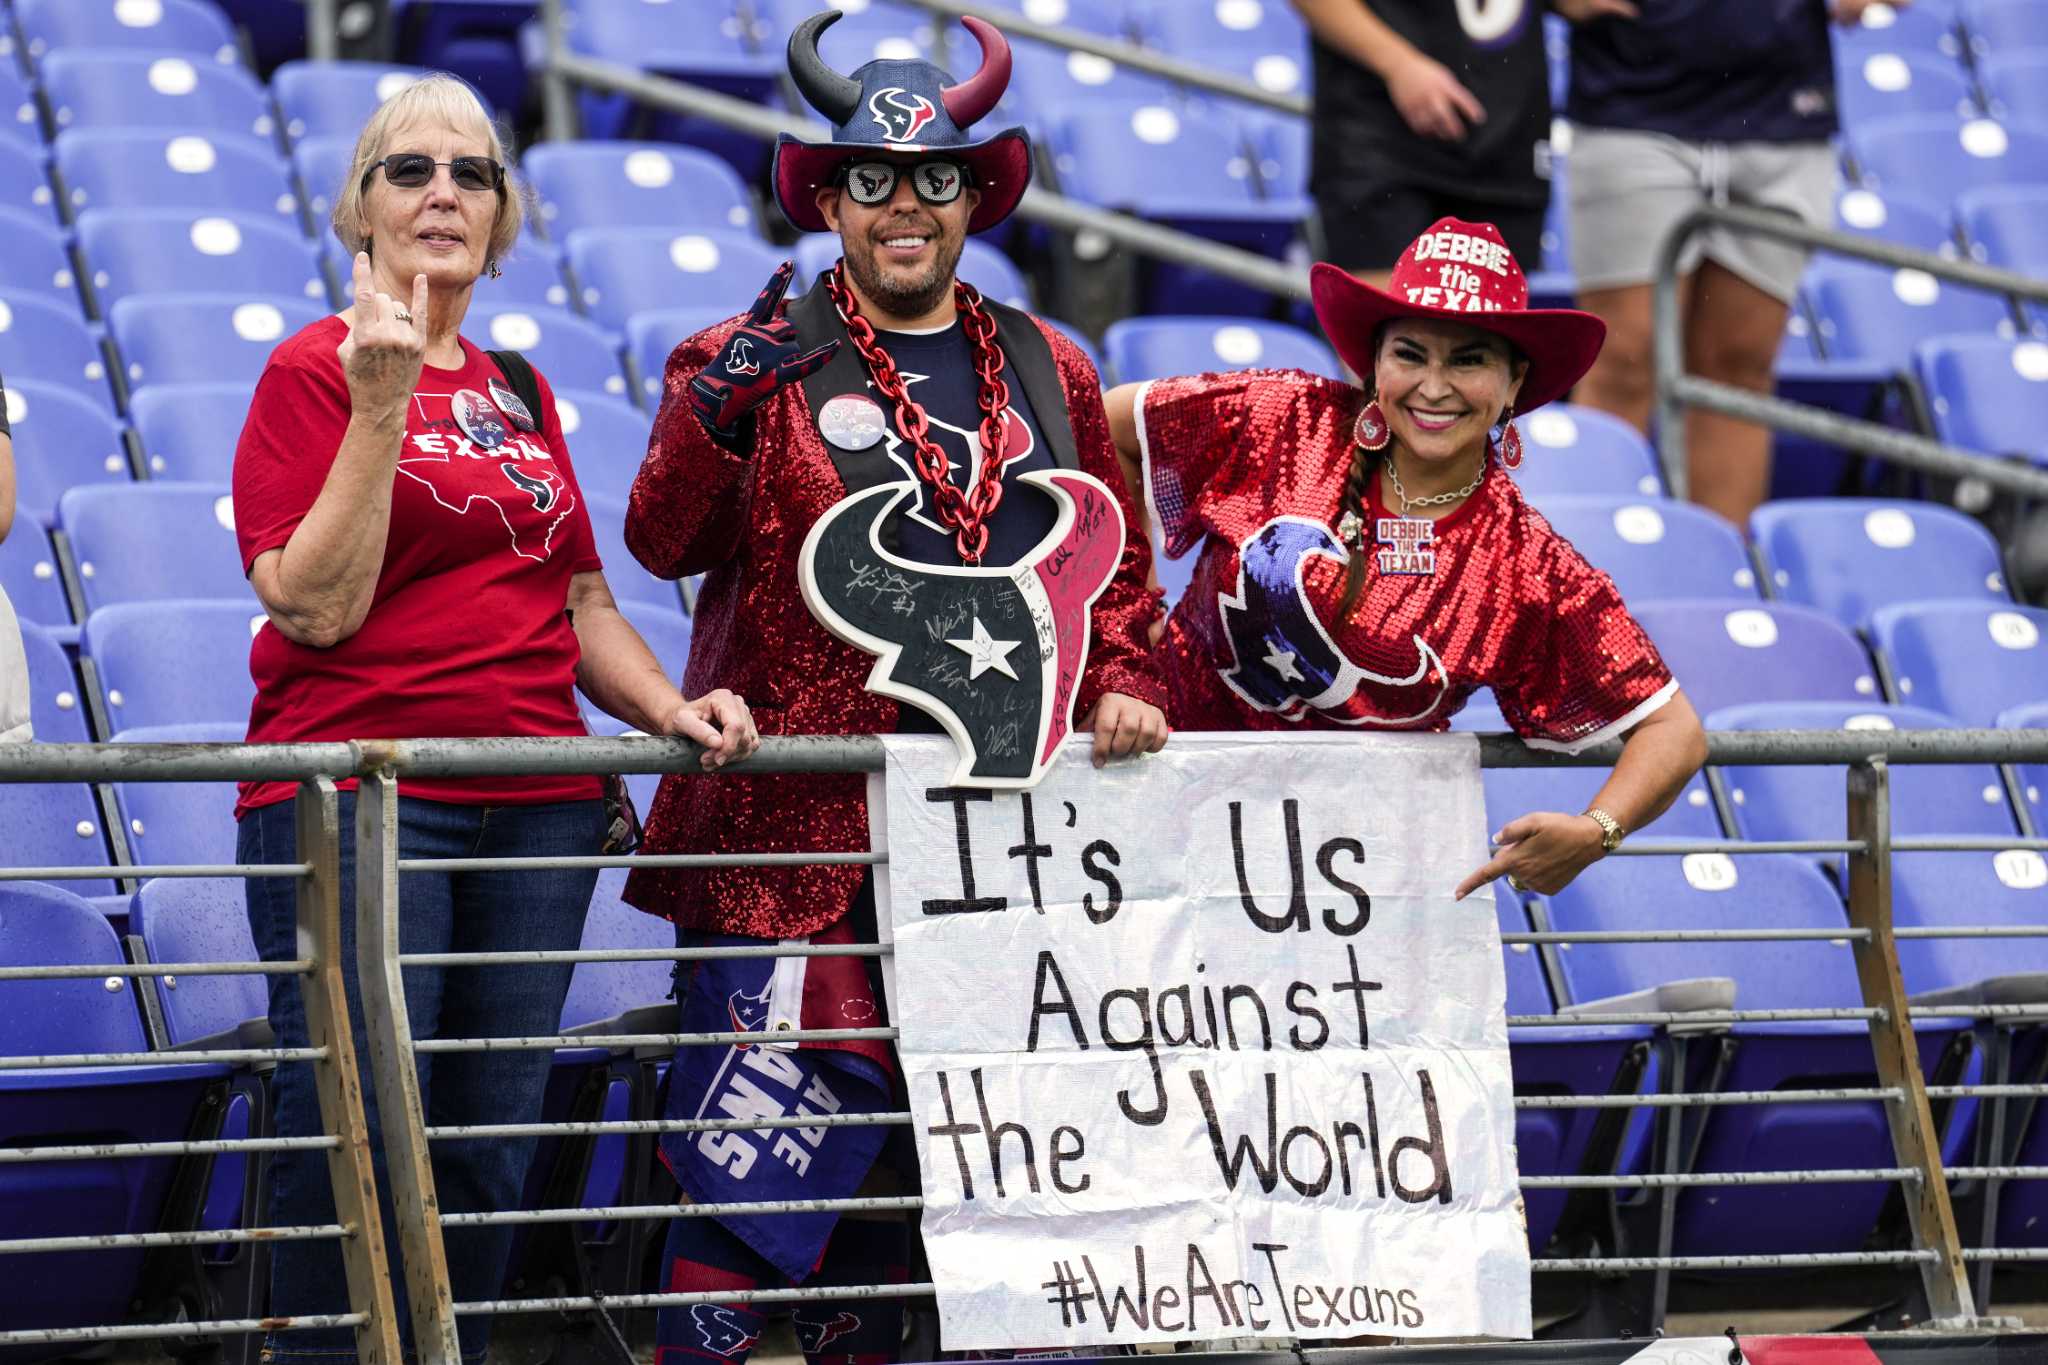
point(851, 422)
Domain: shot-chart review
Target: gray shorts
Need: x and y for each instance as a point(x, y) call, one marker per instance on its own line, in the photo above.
point(1629, 189)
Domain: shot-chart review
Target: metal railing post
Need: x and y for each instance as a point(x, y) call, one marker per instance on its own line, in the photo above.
point(558, 102)
point(1915, 1143)
point(350, 1164)
point(396, 1073)
point(323, 33)
point(1668, 362)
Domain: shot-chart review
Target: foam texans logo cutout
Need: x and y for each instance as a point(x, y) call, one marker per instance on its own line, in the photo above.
point(994, 655)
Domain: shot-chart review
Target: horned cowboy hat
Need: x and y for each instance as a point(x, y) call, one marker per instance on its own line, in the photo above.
point(898, 106)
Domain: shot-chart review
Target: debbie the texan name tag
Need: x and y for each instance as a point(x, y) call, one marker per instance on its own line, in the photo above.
point(994, 655)
point(1406, 545)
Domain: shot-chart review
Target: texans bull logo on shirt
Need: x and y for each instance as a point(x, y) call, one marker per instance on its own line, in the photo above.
point(474, 462)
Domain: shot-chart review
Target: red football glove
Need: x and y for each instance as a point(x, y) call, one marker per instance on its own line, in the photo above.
point(757, 360)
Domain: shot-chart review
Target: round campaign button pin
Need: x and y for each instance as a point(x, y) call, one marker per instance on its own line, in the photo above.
point(851, 422)
point(502, 395)
point(479, 421)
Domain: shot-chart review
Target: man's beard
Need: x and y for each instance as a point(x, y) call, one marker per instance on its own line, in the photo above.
point(900, 295)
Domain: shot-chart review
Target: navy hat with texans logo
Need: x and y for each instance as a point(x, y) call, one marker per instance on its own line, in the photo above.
point(900, 107)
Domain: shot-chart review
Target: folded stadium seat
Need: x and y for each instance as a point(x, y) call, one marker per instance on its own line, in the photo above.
point(635, 184)
point(123, 168)
point(1157, 348)
point(180, 822)
point(188, 431)
point(2033, 777)
point(43, 340)
point(1996, 26)
point(93, 89)
point(631, 584)
point(223, 338)
point(61, 441)
point(607, 439)
point(21, 123)
point(1986, 393)
point(1849, 555)
point(1184, 25)
point(1107, 18)
point(1656, 548)
point(1279, 146)
point(2008, 225)
point(1884, 84)
point(53, 824)
point(173, 662)
point(53, 701)
point(1890, 217)
point(623, 271)
point(151, 541)
point(48, 926)
point(1925, 27)
point(1513, 792)
point(142, 251)
point(1048, 83)
point(322, 164)
point(1762, 891)
point(984, 266)
point(335, 99)
point(1574, 449)
point(29, 576)
point(1875, 315)
point(652, 336)
point(156, 26)
point(2016, 84)
point(1935, 158)
point(566, 349)
point(34, 259)
point(1972, 660)
point(864, 32)
point(1726, 654)
point(24, 184)
point(1277, 69)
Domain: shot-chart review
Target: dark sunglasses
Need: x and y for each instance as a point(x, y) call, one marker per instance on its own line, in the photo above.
point(410, 170)
point(936, 181)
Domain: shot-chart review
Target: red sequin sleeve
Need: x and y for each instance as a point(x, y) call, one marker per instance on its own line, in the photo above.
point(1586, 671)
point(688, 507)
point(1192, 432)
point(1119, 653)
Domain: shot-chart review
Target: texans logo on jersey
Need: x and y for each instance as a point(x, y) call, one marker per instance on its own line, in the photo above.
point(812, 1336)
point(544, 486)
point(720, 1331)
point(1283, 660)
point(902, 115)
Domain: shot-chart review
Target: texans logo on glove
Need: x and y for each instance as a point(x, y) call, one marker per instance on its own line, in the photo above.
point(761, 357)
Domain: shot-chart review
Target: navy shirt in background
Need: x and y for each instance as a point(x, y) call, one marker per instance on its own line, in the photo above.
point(1708, 71)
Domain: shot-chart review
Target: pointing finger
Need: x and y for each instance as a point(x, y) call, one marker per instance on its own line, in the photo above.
point(778, 284)
point(1472, 883)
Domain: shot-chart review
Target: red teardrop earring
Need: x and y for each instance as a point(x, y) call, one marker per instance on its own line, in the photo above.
point(1371, 431)
point(1510, 442)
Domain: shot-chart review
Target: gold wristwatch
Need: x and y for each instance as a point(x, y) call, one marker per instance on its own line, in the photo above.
point(1611, 832)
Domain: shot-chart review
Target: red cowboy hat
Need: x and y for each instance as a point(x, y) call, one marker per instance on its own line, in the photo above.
point(1461, 272)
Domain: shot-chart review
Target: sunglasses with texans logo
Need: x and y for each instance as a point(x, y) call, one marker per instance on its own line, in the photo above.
point(936, 181)
point(410, 170)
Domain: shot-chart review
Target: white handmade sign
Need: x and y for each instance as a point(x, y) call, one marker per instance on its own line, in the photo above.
point(1199, 1046)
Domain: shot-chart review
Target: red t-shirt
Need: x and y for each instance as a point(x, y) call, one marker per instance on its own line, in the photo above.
point(468, 632)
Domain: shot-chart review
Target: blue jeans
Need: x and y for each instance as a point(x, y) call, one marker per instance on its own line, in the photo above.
point(461, 912)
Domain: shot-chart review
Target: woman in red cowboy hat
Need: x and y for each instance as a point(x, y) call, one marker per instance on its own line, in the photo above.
point(1366, 564)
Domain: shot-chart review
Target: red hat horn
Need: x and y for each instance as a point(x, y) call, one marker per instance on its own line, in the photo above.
point(971, 100)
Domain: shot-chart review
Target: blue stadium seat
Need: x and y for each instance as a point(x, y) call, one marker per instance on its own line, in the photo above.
point(1179, 25)
point(1656, 548)
point(1154, 348)
point(159, 26)
point(1997, 26)
point(139, 251)
point(54, 825)
point(607, 439)
point(40, 340)
point(1772, 891)
point(29, 575)
point(322, 164)
point(123, 168)
point(34, 260)
point(651, 35)
point(1574, 449)
point(1186, 166)
point(1515, 792)
point(863, 33)
point(20, 121)
point(1925, 28)
point(55, 709)
point(1847, 556)
point(651, 336)
point(188, 431)
point(635, 184)
point(1280, 144)
point(565, 348)
point(181, 822)
point(60, 441)
point(91, 89)
point(2033, 777)
point(173, 662)
point(223, 338)
point(1886, 84)
point(1972, 660)
point(2008, 225)
point(1986, 393)
point(1277, 69)
point(1725, 654)
point(2016, 84)
point(1896, 218)
point(153, 541)
point(1947, 890)
point(1046, 83)
point(335, 99)
point(24, 184)
point(1935, 158)
point(1109, 18)
point(1875, 315)
point(624, 271)
point(631, 584)
point(48, 926)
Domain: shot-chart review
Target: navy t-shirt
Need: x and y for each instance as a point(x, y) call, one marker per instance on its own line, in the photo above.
point(1708, 71)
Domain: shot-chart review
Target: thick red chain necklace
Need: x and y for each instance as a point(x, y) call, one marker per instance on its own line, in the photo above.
point(967, 513)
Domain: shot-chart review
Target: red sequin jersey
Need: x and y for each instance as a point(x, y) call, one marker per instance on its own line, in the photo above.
point(697, 508)
point(1251, 468)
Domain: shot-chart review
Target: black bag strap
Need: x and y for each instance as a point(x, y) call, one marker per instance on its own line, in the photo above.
point(519, 374)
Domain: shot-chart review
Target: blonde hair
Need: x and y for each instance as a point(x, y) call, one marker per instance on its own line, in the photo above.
point(435, 99)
